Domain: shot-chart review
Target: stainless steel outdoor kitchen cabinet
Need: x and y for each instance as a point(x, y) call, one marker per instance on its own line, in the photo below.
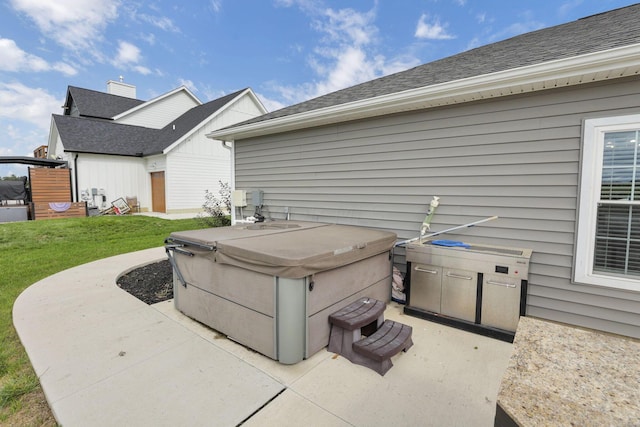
point(480, 288)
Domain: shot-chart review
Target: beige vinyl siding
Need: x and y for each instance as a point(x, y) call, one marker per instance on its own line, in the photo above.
point(516, 157)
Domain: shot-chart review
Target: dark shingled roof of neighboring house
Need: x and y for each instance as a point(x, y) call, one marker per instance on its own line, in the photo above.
point(616, 28)
point(101, 105)
point(91, 135)
point(85, 135)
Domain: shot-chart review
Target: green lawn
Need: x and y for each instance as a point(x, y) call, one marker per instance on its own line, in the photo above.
point(33, 250)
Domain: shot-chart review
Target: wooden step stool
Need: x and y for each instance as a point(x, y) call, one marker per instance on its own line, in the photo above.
point(384, 339)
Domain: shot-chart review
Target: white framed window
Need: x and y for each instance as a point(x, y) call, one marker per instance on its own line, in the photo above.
point(607, 251)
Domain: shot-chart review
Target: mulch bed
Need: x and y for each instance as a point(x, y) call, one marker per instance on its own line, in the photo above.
point(151, 283)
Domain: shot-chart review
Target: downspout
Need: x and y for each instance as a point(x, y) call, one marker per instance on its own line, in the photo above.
point(75, 177)
point(232, 183)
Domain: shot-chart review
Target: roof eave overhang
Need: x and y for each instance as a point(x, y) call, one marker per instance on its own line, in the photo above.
point(100, 153)
point(592, 67)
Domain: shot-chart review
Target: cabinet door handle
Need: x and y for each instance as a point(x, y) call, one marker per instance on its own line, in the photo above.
point(425, 270)
point(508, 285)
point(457, 276)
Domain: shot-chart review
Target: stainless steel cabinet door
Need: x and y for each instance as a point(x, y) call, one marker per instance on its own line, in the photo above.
point(459, 293)
point(426, 285)
point(500, 302)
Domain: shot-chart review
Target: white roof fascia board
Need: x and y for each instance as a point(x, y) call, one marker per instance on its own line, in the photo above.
point(156, 99)
point(211, 117)
point(604, 65)
point(255, 98)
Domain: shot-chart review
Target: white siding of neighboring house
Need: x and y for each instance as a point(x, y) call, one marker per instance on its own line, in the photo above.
point(198, 163)
point(515, 157)
point(119, 176)
point(54, 147)
point(159, 113)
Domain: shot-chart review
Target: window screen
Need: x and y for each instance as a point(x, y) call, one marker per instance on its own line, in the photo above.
point(617, 243)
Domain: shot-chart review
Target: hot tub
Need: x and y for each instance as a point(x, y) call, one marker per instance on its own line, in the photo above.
point(272, 286)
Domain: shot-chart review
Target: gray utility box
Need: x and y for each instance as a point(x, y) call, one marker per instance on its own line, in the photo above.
point(272, 286)
point(479, 285)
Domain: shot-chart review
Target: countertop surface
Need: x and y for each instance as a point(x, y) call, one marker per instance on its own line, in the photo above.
point(560, 375)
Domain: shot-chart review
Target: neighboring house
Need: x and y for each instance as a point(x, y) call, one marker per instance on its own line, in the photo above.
point(156, 151)
point(541, 130)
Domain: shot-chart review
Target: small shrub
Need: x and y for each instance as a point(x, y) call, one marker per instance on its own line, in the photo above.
point(217, 209)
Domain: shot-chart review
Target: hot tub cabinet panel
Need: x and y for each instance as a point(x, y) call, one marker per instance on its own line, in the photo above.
point(351, 280)
point(255, 293)
point(318, 323)
point(246, 326)
point(272, 286)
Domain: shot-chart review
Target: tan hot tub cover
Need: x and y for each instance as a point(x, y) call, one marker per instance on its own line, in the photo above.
point(289, 249)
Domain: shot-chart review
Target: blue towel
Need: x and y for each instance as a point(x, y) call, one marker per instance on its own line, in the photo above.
point(450, 243)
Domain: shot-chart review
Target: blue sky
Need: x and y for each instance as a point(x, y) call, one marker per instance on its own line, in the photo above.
point(287, 51)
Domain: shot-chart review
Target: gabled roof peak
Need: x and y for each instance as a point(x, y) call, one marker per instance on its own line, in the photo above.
point(92, 103)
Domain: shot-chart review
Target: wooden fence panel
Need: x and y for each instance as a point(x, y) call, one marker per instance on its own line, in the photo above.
point(51, 194)
point(50, 185)
point(55, 210)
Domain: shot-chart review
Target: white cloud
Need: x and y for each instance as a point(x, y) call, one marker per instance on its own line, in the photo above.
point(74, 24)
point(18, 140)
point(188, 84)
point(25, 117)
point(515, 29)
point(142, 70)
point(216, 5)
point(162, 22)
point(345, 56)
point(269, 103)
point(150, 38)
point(566, 7)
point(433, 30)
point(473, 43)
point(128, 53)
point(129, 57)
point(347, 25)
point(32, 105)
point(351, 66)
point(12, 58)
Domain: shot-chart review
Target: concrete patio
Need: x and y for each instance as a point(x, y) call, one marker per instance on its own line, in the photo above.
point(105, 358)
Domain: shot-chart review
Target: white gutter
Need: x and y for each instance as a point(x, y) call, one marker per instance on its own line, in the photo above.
point(598, 66)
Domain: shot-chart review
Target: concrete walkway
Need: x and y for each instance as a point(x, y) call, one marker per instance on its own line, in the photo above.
point(105, 358)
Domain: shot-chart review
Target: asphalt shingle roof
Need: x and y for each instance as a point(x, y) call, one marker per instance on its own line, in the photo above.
point(616, 28)
point(102, 105)
point(91, 135)
point(84, 135)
